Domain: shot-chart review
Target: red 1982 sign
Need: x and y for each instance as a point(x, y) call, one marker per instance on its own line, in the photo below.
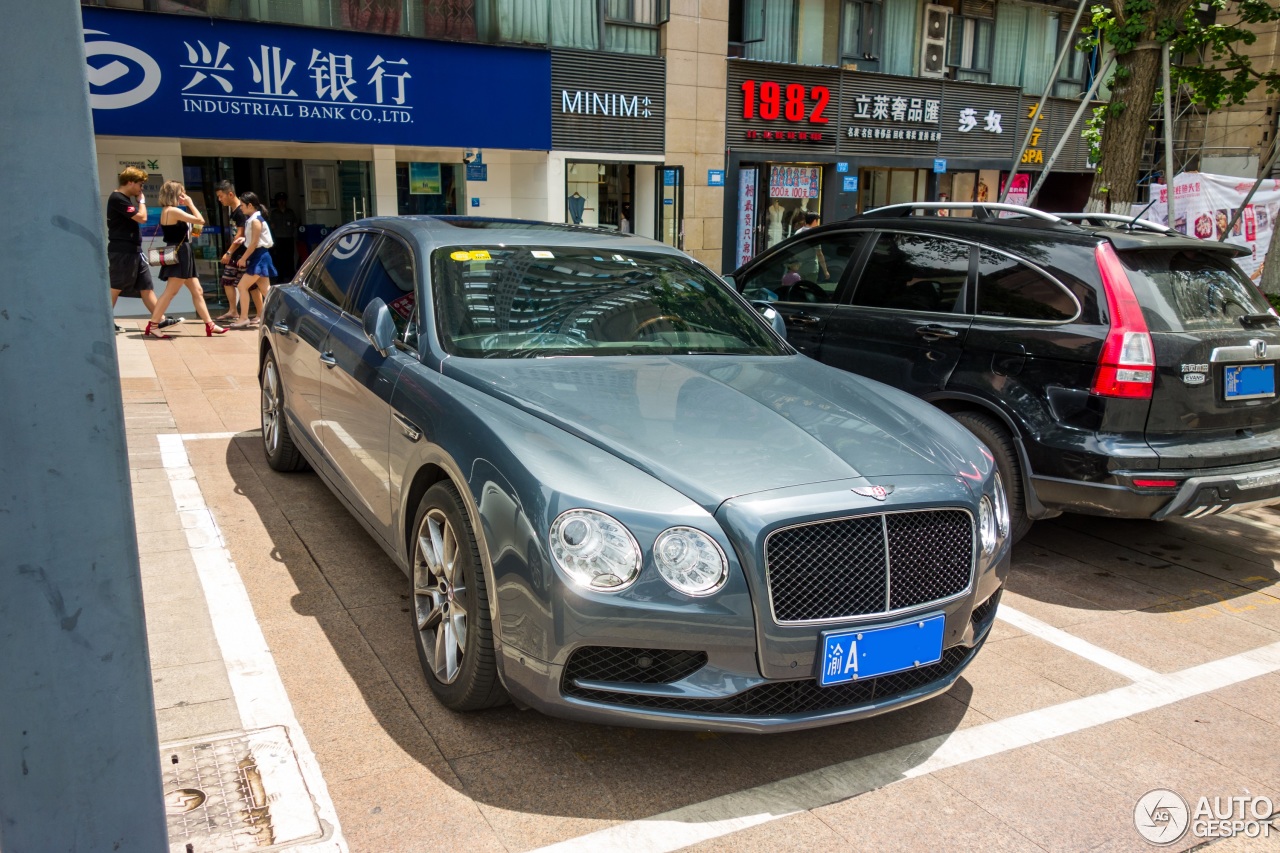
point(790, 103)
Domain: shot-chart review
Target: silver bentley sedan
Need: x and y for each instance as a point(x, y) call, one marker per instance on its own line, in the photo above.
point(619, 495)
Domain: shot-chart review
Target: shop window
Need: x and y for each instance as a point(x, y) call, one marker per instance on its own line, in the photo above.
point(763, 29)
point(860, 35)
point(914, 272)
point(425, 189)
point(1012, 290)
point(969, 48)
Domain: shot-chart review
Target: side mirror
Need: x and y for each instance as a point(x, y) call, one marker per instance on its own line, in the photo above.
point(379, 328)
point(771, 314)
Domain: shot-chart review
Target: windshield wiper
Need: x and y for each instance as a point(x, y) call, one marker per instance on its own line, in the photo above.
point(1252, 321)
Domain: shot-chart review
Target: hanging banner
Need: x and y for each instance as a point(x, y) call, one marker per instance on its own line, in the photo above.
point(1204, 205)
point(746, 215)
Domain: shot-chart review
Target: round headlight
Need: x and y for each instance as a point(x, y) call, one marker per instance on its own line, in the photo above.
point(690, 560)
point(987, 526)
point(1002, 509)
point(594, 549)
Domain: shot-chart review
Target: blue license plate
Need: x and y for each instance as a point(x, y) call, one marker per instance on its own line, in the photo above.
point(850, 655)
point(1248, 381)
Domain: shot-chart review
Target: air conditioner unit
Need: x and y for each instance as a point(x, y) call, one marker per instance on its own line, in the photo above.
point(933, 41)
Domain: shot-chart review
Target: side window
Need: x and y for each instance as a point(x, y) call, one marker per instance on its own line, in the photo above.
point(1008, 288)
point(333, 278)
point(808, 270)
point(915, 272)
point(391, 278)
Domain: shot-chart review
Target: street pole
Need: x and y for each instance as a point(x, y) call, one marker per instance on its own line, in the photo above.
point(79, 758)
point(1168, 132)
point(1053, 78)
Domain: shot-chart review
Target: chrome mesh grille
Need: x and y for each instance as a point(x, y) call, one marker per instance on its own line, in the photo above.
point(869, 564)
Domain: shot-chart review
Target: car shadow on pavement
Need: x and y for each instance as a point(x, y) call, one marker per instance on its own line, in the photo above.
point(335, 611)
point(1106, 564)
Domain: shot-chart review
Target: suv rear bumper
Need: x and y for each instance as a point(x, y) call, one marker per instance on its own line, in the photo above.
point(1201, 492)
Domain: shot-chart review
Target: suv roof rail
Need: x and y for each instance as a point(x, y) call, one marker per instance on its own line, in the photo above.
point(983, 209)
point(1106, 219)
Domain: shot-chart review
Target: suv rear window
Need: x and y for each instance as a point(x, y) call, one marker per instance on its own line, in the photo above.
point(1191, 290)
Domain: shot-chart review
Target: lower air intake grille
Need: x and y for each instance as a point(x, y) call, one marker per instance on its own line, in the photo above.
point(789, 697)
point(633, 666)
point(869, 564)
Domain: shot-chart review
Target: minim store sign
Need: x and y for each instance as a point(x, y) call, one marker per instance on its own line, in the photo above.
point(171, 75)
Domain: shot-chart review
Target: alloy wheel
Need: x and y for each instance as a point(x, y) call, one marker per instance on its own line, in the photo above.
point(440, 596)
point(271, 408)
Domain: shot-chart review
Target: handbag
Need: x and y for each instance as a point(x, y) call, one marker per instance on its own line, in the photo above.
point(166, 257)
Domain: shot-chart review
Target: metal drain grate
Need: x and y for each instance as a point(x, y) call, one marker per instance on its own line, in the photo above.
point(241, 792)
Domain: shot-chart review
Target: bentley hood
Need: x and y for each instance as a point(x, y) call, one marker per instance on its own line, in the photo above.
point(718, 427)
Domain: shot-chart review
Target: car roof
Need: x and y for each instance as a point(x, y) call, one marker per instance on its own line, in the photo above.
point(431, 232)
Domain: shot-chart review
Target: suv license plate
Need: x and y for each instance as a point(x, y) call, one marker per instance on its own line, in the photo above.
point(850, 655)
point(1248, 381)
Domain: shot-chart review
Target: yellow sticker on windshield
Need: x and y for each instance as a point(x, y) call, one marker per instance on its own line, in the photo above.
point(461, 256)
point(479, 255)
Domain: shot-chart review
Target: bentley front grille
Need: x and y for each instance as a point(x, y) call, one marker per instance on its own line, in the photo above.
point(868, 565)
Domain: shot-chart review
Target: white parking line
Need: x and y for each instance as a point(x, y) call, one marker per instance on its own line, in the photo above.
point(214, 436)
point(1075, 645)
point(255, 682)
point(754, 806)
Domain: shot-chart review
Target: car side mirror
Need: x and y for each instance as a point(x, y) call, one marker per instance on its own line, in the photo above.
point(771, 314)
point(379, 328)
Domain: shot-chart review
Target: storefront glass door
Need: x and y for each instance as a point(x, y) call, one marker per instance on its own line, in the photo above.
point(880, 187)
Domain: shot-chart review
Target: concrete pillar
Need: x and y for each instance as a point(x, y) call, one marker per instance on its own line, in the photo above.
point(385, 199)
point(79, 758)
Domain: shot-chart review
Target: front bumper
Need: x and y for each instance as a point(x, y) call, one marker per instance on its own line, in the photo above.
point(718, 698)
point(1199, 493)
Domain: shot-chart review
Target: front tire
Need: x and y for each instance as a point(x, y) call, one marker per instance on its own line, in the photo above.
point(450, 610)
point(282, 454)
point(997, 439)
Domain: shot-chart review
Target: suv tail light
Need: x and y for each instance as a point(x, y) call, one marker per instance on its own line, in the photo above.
point(1127, 365)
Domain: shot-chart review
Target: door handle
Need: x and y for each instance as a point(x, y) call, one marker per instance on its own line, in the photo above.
point(282, 328)
point(804, 319)
point(934, 333)
point(327, 359)
point(408, 427)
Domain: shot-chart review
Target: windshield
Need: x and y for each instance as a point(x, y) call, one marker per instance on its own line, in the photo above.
point(531, 301)
point(1191, 291)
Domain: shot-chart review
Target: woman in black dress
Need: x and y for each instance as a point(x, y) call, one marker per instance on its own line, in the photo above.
point(175, 225)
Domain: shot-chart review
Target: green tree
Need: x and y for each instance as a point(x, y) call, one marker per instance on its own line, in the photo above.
point(1136, 30)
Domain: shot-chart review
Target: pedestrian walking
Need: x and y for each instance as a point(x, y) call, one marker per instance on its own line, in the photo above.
point(176, 225)
point(127, 266)
point(226, 193)
point(256, 261)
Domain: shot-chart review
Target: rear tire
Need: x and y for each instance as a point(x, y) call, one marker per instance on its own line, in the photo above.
point(450, 610)
point(997, 439)
point(282, 454)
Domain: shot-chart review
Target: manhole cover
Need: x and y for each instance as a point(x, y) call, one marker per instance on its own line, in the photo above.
point(241, 792)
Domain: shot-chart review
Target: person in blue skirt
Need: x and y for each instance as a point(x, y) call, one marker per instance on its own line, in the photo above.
point(256, 260)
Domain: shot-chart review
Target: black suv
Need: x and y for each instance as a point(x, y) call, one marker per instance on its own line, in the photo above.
point(1113, 368)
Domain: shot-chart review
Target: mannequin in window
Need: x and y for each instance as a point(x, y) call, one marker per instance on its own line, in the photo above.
point(798, 216)
point(775, 215)
point(624, 224)
point(577, 204)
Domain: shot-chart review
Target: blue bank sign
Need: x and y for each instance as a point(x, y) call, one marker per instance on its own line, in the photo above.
point(182, 76)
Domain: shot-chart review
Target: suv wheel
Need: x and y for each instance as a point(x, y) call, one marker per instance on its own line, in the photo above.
point(282, 454)
point(997, 439)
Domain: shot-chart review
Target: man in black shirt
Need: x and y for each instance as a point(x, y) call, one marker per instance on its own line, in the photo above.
point(130, 274)
point(226, 193)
